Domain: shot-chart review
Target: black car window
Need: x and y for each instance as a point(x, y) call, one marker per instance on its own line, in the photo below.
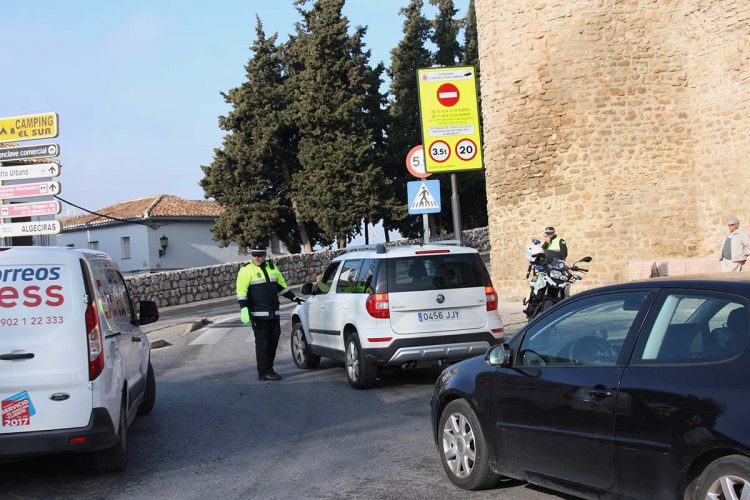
point(674, 337)
point(436, 271)
point(589, 331)
point(347, 282)
point(325, 282)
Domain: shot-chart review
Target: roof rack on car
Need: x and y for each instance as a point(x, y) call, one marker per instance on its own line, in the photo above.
point(378, 247)
point(457, 243)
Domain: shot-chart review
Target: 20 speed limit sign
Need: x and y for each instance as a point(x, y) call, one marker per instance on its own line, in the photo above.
point(439, 151)
point(466, 149)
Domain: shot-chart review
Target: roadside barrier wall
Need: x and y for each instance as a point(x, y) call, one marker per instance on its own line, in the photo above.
point(169, 288)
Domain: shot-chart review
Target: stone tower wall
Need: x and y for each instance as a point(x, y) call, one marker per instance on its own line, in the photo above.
point(622, 123)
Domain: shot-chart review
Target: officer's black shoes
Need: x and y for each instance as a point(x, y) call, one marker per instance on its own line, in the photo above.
point(272, 375)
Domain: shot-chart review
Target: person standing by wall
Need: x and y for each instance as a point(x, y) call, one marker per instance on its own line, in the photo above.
point(259, 284)
point(736, 247)
point(554, 246)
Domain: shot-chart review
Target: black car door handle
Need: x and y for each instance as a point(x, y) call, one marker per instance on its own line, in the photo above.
point(136, 339)
point(599, 392)
point(20, 355)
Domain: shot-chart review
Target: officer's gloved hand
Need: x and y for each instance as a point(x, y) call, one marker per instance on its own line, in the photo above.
point(299, 300)
point(245, 315)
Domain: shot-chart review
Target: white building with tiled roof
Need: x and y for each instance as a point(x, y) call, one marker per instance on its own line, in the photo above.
point(134, 232)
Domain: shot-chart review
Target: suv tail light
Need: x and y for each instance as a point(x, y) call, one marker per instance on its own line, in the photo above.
point(94, 338)
point(377, 305)
point(489, 292)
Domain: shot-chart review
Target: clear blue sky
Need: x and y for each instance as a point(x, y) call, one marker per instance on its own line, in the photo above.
point(136, 83)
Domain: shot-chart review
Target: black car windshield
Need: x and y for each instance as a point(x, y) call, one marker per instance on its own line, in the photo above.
point(436, 272)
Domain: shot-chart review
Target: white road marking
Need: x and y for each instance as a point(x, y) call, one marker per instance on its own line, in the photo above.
point(210, 336)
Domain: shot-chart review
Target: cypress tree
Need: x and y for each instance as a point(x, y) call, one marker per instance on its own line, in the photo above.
point(334, 92)
point(251, 173)
point(404, 129)
point(471, 184)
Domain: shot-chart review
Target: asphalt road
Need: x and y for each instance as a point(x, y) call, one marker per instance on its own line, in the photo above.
point(218, 432)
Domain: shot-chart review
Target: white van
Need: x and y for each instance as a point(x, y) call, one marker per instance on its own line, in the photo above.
point(74, 365)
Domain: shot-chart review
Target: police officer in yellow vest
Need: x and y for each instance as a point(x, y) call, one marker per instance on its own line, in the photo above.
point(259, 285)
point(554, 246)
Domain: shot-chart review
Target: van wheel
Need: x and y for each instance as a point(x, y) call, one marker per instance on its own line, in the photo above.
point(725, 478)
point(464, 451)
point(114, 459)
point(149, 393)
point(301, 352)
point(361, 372)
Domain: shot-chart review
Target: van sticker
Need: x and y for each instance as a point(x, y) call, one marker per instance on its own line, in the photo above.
point(17, 410)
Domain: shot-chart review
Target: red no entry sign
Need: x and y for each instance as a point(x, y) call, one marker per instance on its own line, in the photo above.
point(447, 94)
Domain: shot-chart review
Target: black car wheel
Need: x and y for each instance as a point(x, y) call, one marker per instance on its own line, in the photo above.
point(301, 353)
point(361, 372)
point(727, 478)
point(114, 459)
point(463, 448)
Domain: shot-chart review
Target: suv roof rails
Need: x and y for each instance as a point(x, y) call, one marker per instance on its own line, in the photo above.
point(378, 247)
point(457, 243)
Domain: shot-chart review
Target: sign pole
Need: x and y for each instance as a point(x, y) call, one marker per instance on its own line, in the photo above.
point(456, 206)
point(426, 228)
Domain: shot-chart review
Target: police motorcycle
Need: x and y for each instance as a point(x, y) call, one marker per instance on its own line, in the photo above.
point(551, 279)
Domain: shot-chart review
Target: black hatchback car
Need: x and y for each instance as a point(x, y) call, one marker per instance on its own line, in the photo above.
point(637, 390)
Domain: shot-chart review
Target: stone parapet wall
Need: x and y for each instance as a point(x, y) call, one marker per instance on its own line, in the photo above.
point(621, 123)
point(171, 288)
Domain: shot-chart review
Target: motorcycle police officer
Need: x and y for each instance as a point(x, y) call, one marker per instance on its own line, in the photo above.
point(259, 284)
point(554, 246)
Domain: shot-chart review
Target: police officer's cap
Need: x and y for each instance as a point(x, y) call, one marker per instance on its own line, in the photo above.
point(258, 250)
point(549, 230)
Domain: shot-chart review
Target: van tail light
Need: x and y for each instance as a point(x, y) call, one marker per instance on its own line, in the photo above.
point(489, 292)
point(377, 305)
point(94, 338)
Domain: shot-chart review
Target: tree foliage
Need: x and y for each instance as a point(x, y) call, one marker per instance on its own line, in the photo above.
point(404, 129)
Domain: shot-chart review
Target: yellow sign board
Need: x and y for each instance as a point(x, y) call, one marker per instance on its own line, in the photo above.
point(449, 114)
point(28, 127)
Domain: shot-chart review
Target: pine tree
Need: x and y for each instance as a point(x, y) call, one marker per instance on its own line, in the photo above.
point(251, 173)
point(404, 130)
point(335, 91)
point(445, 34)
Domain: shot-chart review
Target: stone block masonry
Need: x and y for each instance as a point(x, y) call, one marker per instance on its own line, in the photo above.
point(623, 123)
point(171, 288)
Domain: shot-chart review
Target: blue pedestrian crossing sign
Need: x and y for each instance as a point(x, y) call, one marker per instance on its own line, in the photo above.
point(423, 196)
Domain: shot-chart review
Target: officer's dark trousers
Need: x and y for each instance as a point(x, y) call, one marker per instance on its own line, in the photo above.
point(267, 333)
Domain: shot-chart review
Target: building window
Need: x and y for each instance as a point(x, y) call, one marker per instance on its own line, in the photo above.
point(94, 245)
point(125, 243)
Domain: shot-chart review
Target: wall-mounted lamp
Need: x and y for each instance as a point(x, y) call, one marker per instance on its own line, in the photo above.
point(163, 242)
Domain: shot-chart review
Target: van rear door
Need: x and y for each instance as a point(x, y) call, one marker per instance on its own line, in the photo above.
point(44, 382)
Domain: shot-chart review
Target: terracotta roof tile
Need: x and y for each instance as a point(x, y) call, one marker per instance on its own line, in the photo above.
point(146, 209)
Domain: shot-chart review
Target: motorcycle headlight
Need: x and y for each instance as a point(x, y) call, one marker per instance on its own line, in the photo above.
point(555, 274)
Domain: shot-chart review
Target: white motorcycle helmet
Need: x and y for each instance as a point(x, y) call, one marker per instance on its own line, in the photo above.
point(534, 252)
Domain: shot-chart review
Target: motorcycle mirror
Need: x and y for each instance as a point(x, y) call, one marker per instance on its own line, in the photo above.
point(585, 259)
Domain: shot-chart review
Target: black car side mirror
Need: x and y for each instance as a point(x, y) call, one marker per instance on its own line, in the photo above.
point(307, 289)
point(500, 355)
point(149, 312)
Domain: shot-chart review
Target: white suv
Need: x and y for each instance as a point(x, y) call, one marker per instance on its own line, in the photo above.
point(388, 307)
point(74, 364)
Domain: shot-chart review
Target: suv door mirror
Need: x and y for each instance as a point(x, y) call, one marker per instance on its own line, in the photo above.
point(500, 355)
point(149, 312)
point(307, 289)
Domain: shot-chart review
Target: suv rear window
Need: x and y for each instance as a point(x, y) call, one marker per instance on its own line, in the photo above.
point(436, 272)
